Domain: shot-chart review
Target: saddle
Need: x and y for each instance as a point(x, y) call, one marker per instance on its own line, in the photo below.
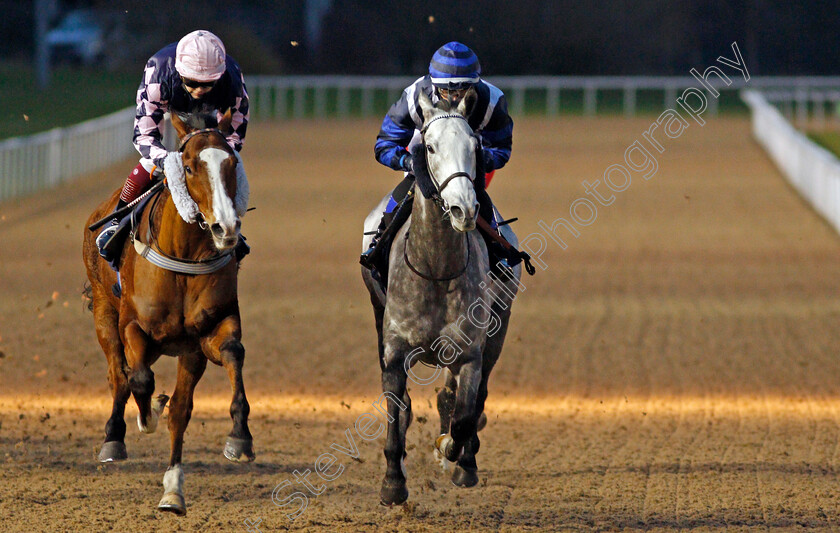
point(126, 220)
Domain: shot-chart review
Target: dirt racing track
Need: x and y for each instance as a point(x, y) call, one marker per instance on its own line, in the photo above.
point(675, 368)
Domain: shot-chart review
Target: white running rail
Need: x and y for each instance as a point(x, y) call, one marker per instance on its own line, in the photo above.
point(811, 169)
point(30, 164)
point(33, 163)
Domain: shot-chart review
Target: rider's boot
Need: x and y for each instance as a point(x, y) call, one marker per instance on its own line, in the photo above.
point(396, 213)
point(138, 179)
point(497, 255)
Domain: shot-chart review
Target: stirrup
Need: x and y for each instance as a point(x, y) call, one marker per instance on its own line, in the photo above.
point(105, 236)
point(366, 258)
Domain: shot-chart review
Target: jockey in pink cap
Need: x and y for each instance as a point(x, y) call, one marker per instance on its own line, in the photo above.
point(193, 76)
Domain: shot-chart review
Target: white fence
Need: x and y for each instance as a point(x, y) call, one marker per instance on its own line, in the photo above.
point(807, 107)
point(36, 162)
point(342, 96)
point(29, 164)
point(814, 171)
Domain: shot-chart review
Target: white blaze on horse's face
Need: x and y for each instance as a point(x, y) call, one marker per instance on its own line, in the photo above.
point(224, 224)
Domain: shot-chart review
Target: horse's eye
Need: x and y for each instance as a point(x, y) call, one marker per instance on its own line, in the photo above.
point(188, 170)
point(430, 148)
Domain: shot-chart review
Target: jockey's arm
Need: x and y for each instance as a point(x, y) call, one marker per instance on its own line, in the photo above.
point(497, 137)
point(395, 134)
point(148, 120)
point(240, 114)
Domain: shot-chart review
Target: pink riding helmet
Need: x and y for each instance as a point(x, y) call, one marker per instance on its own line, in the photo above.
point(200, 56)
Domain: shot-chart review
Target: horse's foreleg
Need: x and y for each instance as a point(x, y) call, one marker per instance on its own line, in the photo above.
point(465, 473)
point(190, 369)
point(393, 491)
point(141, 379)
point(446, 402)
point(106, 319)
point(223, 347)
point(464, 425)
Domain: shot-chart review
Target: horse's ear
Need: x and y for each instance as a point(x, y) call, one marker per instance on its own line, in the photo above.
point(467, 104)
point(181, 127)
point(426, 106)
point(225, 123)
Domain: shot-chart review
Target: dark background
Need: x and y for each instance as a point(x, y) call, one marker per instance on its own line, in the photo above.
point(562, 37)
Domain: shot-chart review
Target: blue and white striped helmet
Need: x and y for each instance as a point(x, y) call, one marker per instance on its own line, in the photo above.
point(454, 66)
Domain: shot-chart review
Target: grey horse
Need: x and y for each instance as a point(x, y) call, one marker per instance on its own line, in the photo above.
point(441, 307)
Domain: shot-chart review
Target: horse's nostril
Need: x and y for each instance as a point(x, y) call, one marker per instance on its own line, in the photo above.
point(217, 231)
point(457, 212)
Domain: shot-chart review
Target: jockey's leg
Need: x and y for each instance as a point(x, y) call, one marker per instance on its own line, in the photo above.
point(395, 215)
point(495, 251)
point(138, 180)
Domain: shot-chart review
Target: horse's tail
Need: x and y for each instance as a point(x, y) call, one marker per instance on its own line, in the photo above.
point(87, 294)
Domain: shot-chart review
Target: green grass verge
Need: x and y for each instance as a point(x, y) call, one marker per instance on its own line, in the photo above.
point(830, 140)
point(75, 94)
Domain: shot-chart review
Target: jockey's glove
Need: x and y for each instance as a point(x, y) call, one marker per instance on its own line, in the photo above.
point(160, 164)
point(406, 162)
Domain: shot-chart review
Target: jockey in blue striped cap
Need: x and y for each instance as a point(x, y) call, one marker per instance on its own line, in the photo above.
point(453, 71)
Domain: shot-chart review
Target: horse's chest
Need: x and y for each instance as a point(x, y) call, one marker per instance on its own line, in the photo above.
point(178, 317)
point(423, 323)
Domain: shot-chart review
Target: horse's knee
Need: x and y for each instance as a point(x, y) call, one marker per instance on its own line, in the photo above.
point(142, 382)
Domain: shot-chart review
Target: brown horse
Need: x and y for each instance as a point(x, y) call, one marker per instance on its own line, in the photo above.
point(193, 316)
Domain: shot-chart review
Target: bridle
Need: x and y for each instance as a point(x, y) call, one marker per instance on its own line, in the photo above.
point(193, 133)
point(158, 257)
point(439, 201)
point(204, 131)
point(440, 186)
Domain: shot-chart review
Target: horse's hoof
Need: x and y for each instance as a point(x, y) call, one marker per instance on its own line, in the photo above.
point(113, 451)
point(392, 495)
point(173, 503)
point(464, 477)
point(446, 445)
point(482, 421)
point(158, 404)
point(239, 450)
